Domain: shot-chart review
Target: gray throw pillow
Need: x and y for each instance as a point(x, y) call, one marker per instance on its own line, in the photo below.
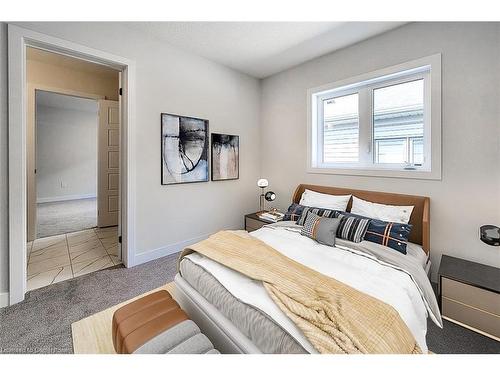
point(320, 229)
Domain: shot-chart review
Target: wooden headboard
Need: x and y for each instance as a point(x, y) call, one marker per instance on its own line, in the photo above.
point(420, 233)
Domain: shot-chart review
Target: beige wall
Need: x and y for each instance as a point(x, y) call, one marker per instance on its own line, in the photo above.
point(469, 193)
point(57, 74)
point(39, 73)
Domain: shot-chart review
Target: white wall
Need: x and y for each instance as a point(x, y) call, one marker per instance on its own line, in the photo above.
point(66, 153)
point(469, 193)
point(168, 80)
point(4, 172)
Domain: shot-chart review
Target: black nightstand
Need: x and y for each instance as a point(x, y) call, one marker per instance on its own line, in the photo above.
point(253, 222)
point(469, 295)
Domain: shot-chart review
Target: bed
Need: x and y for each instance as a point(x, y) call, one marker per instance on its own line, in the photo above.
point(238, 316)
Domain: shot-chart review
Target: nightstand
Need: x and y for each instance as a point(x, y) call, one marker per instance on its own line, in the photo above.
point(469, 295)
point(253, 222)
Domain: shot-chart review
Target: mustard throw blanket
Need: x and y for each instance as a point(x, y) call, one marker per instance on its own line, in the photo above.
point(334, 317)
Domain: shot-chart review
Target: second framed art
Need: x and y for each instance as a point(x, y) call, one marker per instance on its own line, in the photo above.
point(225, 157)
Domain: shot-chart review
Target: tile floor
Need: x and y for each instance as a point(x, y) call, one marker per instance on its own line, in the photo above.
point(62, 257)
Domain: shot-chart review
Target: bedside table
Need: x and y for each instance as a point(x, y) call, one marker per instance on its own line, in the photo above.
point(253, 222)
point(469, 295)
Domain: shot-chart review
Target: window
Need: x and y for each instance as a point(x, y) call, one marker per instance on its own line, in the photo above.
point(341, 129)
point(383, 123)
point(398, 123)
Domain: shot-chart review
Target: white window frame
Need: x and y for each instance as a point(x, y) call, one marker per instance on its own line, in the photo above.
point(428, 68)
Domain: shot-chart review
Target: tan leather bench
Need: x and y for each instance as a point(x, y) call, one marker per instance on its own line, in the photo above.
point(156, 324)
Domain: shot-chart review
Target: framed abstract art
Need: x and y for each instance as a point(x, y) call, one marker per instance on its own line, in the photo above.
point(225, 157)
point(184, 149)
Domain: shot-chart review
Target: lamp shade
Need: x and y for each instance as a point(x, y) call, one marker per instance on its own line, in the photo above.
point(262, 183)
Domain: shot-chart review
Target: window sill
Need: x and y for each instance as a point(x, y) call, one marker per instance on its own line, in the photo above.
point(377, 172)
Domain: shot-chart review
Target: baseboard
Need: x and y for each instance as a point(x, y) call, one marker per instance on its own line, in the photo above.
point(4, 299)
point(164, 250)
point(63, 198)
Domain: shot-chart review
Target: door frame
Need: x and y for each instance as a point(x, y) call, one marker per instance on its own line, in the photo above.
point(18, 40)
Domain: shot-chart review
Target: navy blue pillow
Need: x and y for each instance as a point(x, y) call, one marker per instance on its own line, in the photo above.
point(393, 235)
point(293, 213)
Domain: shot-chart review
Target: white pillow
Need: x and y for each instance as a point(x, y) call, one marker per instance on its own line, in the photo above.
point(417, 252)
point(331, 202)
point(397, 214)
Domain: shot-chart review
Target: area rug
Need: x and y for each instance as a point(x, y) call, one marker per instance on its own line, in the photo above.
point(92, 335)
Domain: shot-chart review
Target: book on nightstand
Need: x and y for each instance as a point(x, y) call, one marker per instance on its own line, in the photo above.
point(271, 216)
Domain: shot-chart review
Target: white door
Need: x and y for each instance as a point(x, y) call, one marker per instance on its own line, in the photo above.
point(108, 179)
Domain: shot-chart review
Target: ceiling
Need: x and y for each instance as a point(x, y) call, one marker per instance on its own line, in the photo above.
point(54, 100)
point(261, 49)
point(52, 58)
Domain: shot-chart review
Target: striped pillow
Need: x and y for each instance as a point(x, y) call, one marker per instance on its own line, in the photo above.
point(352, 228)
point(323, 212)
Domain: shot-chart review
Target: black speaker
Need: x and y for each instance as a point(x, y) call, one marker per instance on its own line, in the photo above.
point(490, 234)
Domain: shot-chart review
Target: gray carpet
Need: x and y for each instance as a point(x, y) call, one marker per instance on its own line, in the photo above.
point(42, 323)
point(65, 217)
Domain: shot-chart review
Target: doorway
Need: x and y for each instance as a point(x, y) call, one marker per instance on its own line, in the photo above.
point(73, 168)
point(19, 39)
point(66, 163)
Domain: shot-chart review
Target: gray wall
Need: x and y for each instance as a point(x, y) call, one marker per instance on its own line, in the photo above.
point(469, 193)
point(167, 80)
point(66, 152)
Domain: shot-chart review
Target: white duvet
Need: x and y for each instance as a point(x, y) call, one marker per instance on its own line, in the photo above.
point(384, 283)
